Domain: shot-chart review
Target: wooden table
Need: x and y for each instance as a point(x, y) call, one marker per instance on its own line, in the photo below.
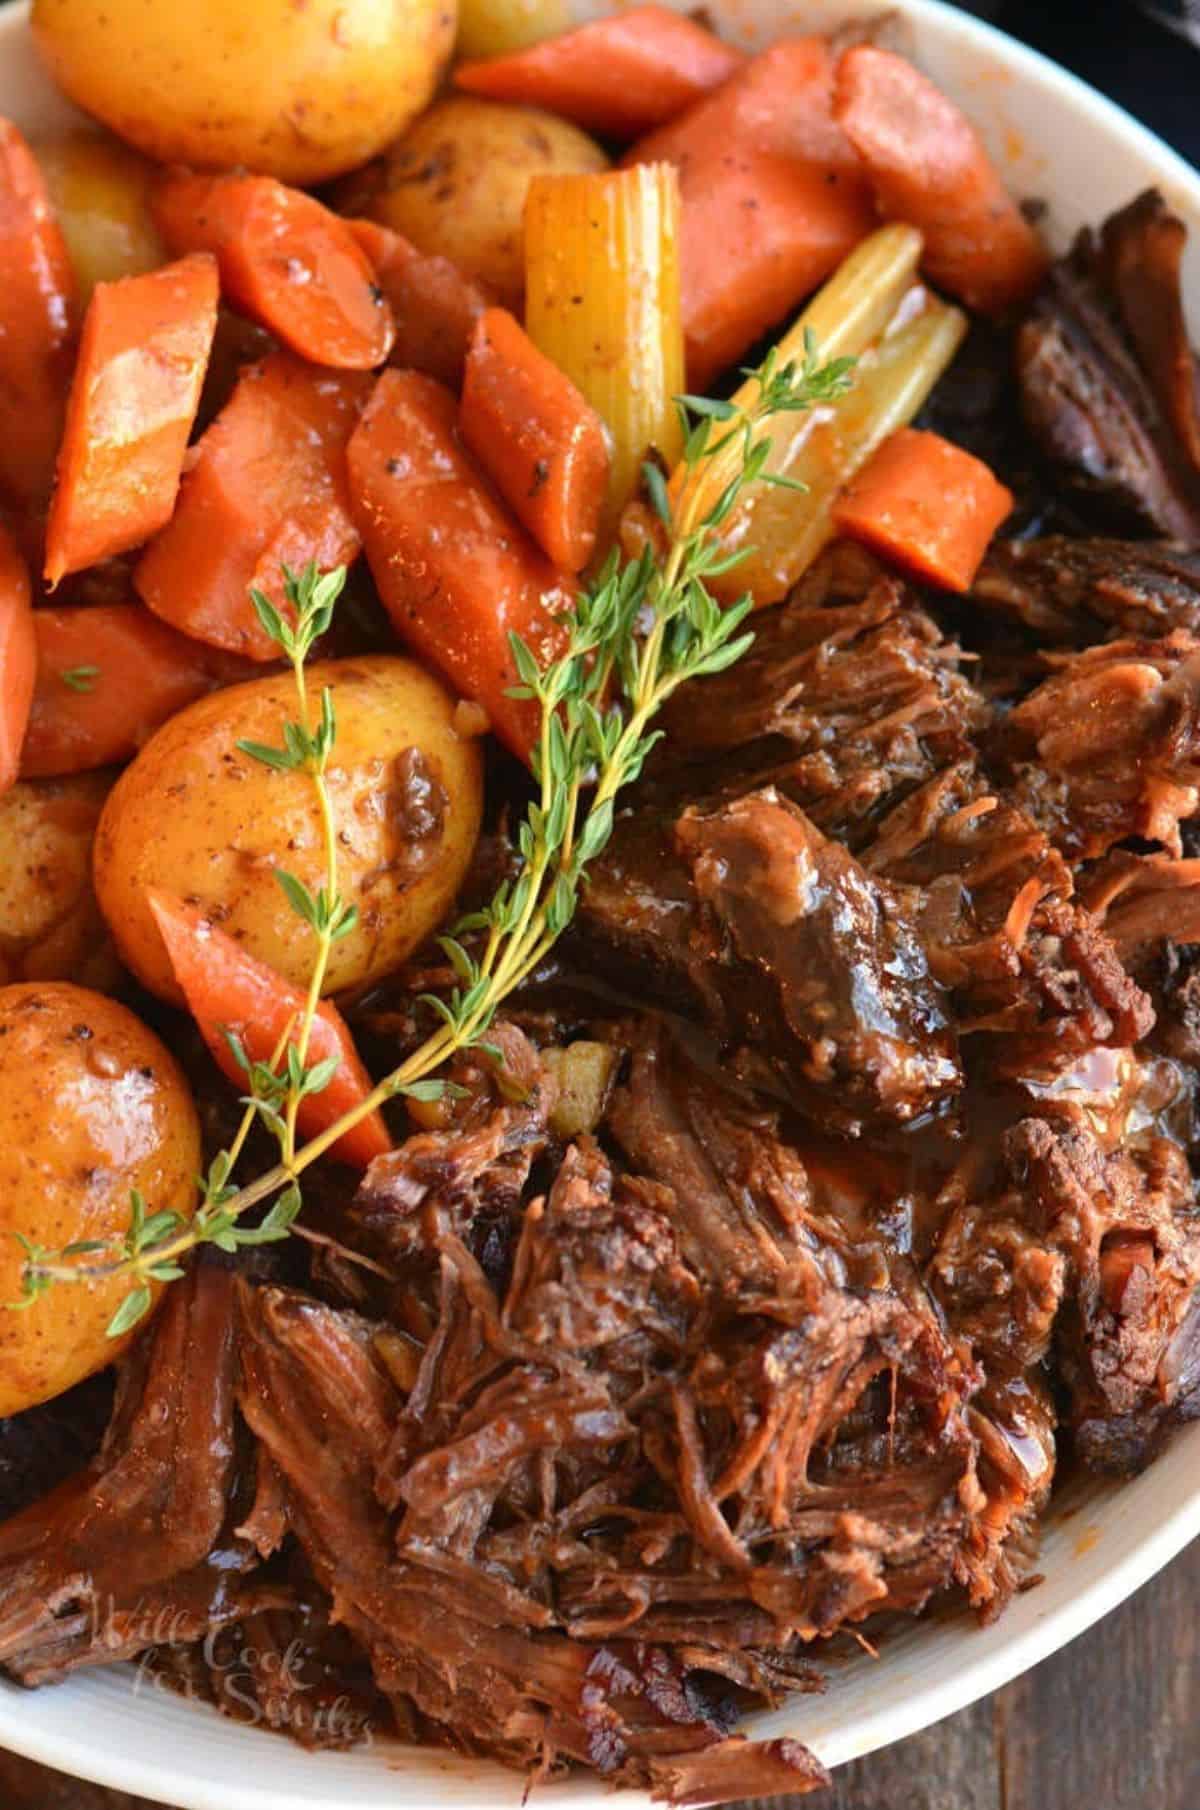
point(1110, 1723)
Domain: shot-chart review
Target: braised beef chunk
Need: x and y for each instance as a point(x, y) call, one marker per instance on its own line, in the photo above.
point(1028, 968)
point(845, 708)
point(1107, 376)
point(138, 1540)
point(639, 923)
point(827, 969)
point(1108, 747)
point(1128, 1228)
point(1081, 591)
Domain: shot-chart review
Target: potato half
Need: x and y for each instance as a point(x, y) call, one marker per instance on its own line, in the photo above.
point(91, 1106)
point(196, 816)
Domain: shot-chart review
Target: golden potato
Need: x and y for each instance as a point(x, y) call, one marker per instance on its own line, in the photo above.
point(195, 815)
point(101, 194)
point(456, 183)
point(91, 1106)
point(488, 28)
point(300, 89)
point(50, 924)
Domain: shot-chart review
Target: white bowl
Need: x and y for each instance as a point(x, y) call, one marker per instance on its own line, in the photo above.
point(1059, 140)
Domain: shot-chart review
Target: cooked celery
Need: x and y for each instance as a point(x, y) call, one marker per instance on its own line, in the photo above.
point(602, 300)
point(903, 338)
point(584, 1073)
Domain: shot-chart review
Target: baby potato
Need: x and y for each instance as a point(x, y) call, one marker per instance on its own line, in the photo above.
point(299, 89)
point(91, 1106)
point(456, 183)
point(50, 924)
point(196, 816)
point(101, 194)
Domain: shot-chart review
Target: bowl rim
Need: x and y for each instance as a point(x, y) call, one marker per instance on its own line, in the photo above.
point(65, 1743)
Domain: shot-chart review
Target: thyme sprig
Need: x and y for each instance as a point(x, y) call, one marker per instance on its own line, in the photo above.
point(644, 627)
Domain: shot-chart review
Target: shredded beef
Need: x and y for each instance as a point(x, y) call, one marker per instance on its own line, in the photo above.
point(1107, 377)
point(1127, 1225)
point(138, 1548)
point(1108, 747)
point(845, 708)
point(1080, 591)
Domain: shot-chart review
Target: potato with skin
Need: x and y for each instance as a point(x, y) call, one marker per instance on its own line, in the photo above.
point(299, 89)
point(101, 195)
point(91, 1106)
point(196, 816)
point(50, 924)
point(455, 184)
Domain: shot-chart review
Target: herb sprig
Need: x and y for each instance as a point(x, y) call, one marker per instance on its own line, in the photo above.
point(639, 631)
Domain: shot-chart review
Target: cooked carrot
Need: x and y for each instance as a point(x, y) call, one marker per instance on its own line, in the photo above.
point(773, 199)
point(455, 572)
point(265, 487)
point(18, 657)
point(620, 77)
point(539, 441)
point(108, 675)
point(928, 166)
point(229, 990)
point(435, 305)
point(37, 303)
point(133, 399)
point(926, 505)
point(284, 259)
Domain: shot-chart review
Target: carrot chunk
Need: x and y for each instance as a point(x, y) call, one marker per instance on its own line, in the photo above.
point(265, 487)
point(142, 360)
point(455, 572)
point(18, 657)
point(286, 260)
point(773, 199)
point(229, 990)
point(927, 505)
point(434, 303)
point(536, 437)
point(37, 304)
point(928, 166)
point(108, 674)
point(621, 76)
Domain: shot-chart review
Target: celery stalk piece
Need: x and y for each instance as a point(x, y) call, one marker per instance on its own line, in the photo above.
point(903, 338)
point(602, 301)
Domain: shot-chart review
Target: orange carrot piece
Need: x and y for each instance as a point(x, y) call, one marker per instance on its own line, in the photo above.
point(37, 306)
point(18, 657)
point(434, 303)
point(539, 441)
point(108, 675)
point(265, 487)
point(455, 572)
point(773, 199)
point(286, 260)
point(928, 167)
point(926, 505)
point(621, 76)
point(227, 989)
point(142, 359)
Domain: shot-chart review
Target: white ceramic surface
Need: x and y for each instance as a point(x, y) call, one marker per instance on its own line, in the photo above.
point(1062, 142)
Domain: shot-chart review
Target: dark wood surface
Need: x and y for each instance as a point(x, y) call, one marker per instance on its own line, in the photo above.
point(1110, 1723)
